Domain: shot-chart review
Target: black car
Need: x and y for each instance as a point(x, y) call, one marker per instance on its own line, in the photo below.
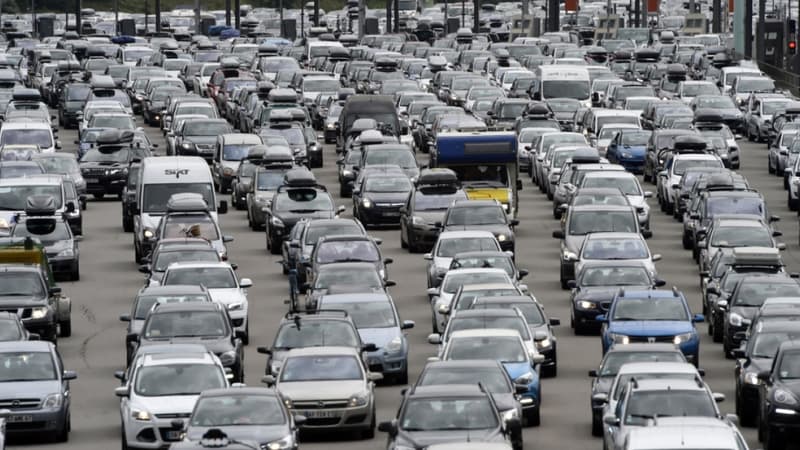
point(172, 250)
point(105, 166)
point(344, 277)
point(198, 137)
point(300, 197)
point(431, 195)
point(129, 196)
point(379, 197)
point(71, 101)
point(779, 392)
point(755, 356)
point(59, 243)
point(342, 248)
point(205, 323)
point(485, 215)
point(316, 230)
point(24, 287)
point(154, 105)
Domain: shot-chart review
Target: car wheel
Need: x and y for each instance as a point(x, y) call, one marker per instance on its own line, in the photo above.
point(402, 377)
point(124, 440)
point(75, 275)
point(550, 371)
point(533, 418)
point(127, 225)
point(717, 336)
point(246, 337)
point(597, 425)
point(274, 246)
point(687, 243)
point(773, 439)
point(791, 203)
point(745, 412)
point(770, 168)
point(369, 432)
point(65, 328)
point(63, 433)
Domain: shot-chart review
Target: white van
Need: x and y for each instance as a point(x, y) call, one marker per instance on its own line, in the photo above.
point(564, 81)
point(159, 179)
point(730, 73)
point(319, 48)
point(29, 133)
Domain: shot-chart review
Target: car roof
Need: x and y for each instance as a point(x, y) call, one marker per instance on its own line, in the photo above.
point(483, 286)
point(614, 235)
point(684, 432)
point(464, 234)
point(324, 351)
point(658, 367)
point(602, 208)
point(480, 254)
point(183, 357)
point(484, 332)
point(487, 312)
point(26, 346)
point(175, 289)
point(197, 265)
point(355, 298)
point(187, 306)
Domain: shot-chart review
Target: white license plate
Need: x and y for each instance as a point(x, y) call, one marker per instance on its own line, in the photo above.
point(91, 180)
point(20, 419)
point(320, 414)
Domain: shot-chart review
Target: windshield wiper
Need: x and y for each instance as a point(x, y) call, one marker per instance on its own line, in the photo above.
point(624, 318)
point(8, 208)
point(303, 211)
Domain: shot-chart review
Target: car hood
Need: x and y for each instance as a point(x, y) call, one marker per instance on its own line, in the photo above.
point(650, 327)
point(253, 433)
point(213, 345)
point(321, 390)
point(227, 296)
point(29, 389)
point(387, 197)
point(574, 242)
point(757, 365)
point(379, 336)
point(424, 439)
point(516, 369)
point(105, 164)
point(150, 220)
point(169, 404)
point(794, 386)
point(602, 385)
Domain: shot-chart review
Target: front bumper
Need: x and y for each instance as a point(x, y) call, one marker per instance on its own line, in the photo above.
point(239, 319)
point(24, 421)
point(62, 265)
point(426, 236)
point(110, 184)
point(157, 433)
point(632, 165)
point(393, 363)
point(381, 214)
point(333, 414)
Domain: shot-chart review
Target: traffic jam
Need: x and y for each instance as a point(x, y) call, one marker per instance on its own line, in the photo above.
point(256, 217)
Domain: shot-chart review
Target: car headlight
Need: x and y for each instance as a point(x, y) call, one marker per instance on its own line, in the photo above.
point(620, 338)
point(283, 443)
point(347, 173)
point(395, 345)
point(510, 414)
point(275, 367)
point(502, 237)
point(417, 221)
point(140, 414)
point(681, 338)
point(148, 233)
point(567, 255)
point(113, 171)
point(227, 358)
point(68, 253)
point(583, 304)
point(382, 274)
point(525, 378)
point(236, 306)
point(53, 401)
point(359, 400)
point(366, 203)
point(784, 397)
point(330, 126)
point(228, 172)
point(736, 320)
point(544, 343)
point(39, 313)
point(187, 145)
point(276, 222)
point(4, 223)
point(751, 378)
point(288, 402)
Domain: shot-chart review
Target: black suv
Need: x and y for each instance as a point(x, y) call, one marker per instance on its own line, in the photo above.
point(780, 398)
point(427, 204)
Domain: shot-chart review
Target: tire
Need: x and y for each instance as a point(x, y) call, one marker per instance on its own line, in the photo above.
point(770, 169)
point(127, 225)
point(597, 425)
point(533, 418)
point(75, 274)
point(63, 434)
point(52, 335)
point(550, 371)
point(369, 432)
point(402, 378)
point(773, 439)
point(726, 348)
point(274, 246)
point(747, 416)
point(687, 244)
point(717, 335)
point(65, 328)
point(792, 204)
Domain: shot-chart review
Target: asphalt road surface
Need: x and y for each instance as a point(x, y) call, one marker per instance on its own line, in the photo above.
point(110, 280)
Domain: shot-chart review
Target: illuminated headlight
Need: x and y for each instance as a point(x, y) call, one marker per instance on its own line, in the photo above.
point(139, 97)
point(227, 358)
point(417, 221)
point(620, 338)
point(567, 255)
point(502, 237)
point(453, 97)
point(736, 320)
point(287, 402)
point(140, 414)
point(236, 306)
point(751, 378)
point(510, 414)
point(228, 172)
point(148, 234)
point(261, 199)
point(525, 378)
point(285, 442)
point(68, 253)
point(276, 222)
point(187, 145)
point(39, 313)
point(4, 223)
point(583, 304)
point(395, 345)
point(347, 173)
point(113, 171)
point(544, 343)
point(358, 400)
point(784, 397)
point(681, 338)
point(330, 126)
point(739, 100)
point(53, 401)
point(366, 203)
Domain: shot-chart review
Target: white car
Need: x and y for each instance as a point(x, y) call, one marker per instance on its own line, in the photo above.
point(160, 388)
point(29, 133)
point(674, 167)
point(450, 243)
point(223, 286)
point(203, 77)
point(97, 106)
point(626, 182)
point(441, 297)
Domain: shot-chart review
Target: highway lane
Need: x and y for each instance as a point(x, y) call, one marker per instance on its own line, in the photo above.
point(109, 282)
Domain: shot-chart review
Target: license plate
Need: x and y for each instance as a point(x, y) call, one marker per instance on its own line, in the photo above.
point(320, 414)
point(20, 419)
point(374, 362)
point(391, 214)
point(172, 435)
point(92, 180)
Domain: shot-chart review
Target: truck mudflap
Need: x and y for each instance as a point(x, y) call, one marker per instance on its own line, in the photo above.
point(64, 308)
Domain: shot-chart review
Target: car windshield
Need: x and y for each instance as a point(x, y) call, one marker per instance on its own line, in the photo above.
point(642, 406)
point(316, 334)
point(178, 379)
point(500, 348)
point(367, 314)
point(650, 309)
point(165, 258)
point(766, 344)
point(180, 225)
point(42, 138)
point(238, 410)
point(185, 324)
point(198, 128)
point(735, 205)
point(59, 165)
point(321, 85)
point(494, 379)
point(628, 185)
point(293, 135)
point(614, 360)
point(95, 155)
point(111, 121)
point(563, 105)
point(432, 414)
point(448, 248)
point(145, 303)
point(471, 323)
point(49, 232)
point(199, 110)
point(637, 103)
point(496, 262)
point(615, 276)
point(17, 171)
point(156, 196)
point(321, 368)
point(303, 200)
point(615, 249)
point(790, 366)
point(585, 222)
point(78, 92)
point(270, 180)
point(175, 64)
point(682, 164)
point(773, 106)
point(599, 199)
point(387, 184)
point(578, 89)
point(14, 198)
point(476, 215)
point(347, 251)
point(715, 102)
point(404, 159)
point(135, 55)
point(623, 379)
point(26, 366)
point(761, 84)
point(236, 152)
point(693, 90)
point(742, 237)
point(209, 277)
point(330, 229)
point(754, 294)
point(333, 276)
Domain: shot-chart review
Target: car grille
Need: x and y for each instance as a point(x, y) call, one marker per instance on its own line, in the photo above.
point(174, 416)
point(93, 171)
point(389, 205)
point(651, 339)
point(205, 146)
point(20, 403)
point(326, 404)
point(322, 422)
point(23, 313)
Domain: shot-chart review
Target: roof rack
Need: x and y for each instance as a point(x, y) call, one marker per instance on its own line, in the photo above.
point(186, 202)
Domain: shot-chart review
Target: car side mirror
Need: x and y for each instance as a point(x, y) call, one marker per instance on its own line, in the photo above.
point(55, 290)
point(70, 207)
point(434, 339)
point(124, 317)
point(227, 238)
point(269, 380)
point(513, 222)
point(407, 325)
point(555, 321)
point(58, 145)
point(611, 420)
point(69, 375)
point(427, 257)
point(144, 268)
point(600, 398)
point(522, 273)
point(571, 284)
point(698, 318)
point(122, 391)
point(264, 350)
point(389, 283)
point(245, 283)
point(388, 261)
point(299, 420)
point(659, 282)
point(764, 375)
point(388, 427)
point(34, 337)
point(656, 257)
point(647, 234)
point(120, 375)
point(558, 234)
point(593, 373)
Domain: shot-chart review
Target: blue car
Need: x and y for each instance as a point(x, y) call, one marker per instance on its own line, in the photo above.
point(377, 322)
point(628, 149)
point(651, 316)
